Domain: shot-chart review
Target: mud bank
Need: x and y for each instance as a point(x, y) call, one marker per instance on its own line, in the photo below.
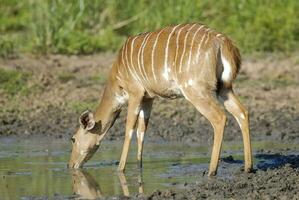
point(279, 183)
point(61, 87)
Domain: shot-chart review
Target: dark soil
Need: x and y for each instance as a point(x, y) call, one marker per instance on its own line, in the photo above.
point(268, 86)
point(279, 183)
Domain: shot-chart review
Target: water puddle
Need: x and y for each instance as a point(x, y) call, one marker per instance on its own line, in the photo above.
point(37, 168)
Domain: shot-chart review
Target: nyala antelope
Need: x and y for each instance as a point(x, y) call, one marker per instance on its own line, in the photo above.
point(187, 60)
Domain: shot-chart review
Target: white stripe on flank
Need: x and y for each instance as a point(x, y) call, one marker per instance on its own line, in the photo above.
point(165, 74)
point(219, 34)
point(227, 70)
point(153, 53)
point(127, 61)
point(177, 44)
point(192, 42)
point(139, 53)
point(142, 58)
point(132, 64)
point(185, 41)
point(199, 46)
point(142, 55)
point(208, 33)
point(123, 59)
point(177, 48)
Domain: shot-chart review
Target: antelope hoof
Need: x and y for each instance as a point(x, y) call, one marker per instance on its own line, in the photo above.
point(213, 173)
point(249, 169)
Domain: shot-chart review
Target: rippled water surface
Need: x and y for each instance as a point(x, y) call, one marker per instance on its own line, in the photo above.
point(37, 168)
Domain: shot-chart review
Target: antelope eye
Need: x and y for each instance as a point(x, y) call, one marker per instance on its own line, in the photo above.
point(73, 139)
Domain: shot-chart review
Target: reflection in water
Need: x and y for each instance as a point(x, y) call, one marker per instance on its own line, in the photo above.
point(35, 169)
point(86, 187)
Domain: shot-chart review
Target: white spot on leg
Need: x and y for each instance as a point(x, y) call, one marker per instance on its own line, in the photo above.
point(227, 70)
point(140, 135)
point(141, 114)
point(137, 110)
point(131, 133)
point(242, 116)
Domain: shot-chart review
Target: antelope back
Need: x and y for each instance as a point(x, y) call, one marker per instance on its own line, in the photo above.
point(168, 59)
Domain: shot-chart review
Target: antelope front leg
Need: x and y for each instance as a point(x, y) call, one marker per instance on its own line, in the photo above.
point(233, 105)
point(133, 110)
point(123, 184)
point(143, 120)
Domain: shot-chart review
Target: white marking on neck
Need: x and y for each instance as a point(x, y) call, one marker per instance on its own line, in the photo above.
point(121, 99)
point(153, 54)
point(227, 70)
point(192, 42)
point(118, 78)
point(184, 49)
point(165, 74)
point(190, 82)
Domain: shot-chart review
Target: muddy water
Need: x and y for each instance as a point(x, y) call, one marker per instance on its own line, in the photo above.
point(37, 168)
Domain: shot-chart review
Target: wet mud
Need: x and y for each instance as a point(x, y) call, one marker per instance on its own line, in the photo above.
point(36, 169)
point(268, 86)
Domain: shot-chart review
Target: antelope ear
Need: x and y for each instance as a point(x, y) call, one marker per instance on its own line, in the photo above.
point(87, 120)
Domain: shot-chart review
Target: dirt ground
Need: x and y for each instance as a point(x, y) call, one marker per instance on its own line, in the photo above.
point(64, 86)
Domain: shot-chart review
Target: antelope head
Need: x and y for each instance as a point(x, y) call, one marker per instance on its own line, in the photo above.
point(85, 141)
